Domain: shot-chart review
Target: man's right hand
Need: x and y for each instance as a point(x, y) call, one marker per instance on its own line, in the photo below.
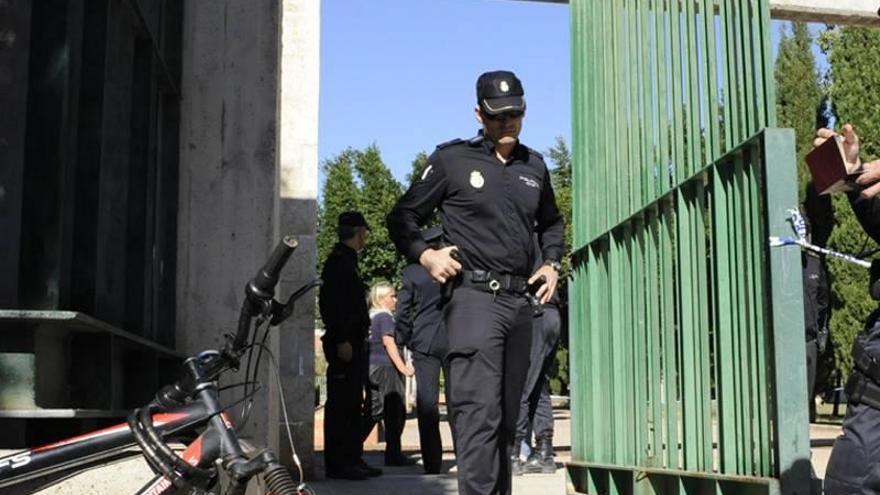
point(440, 264)
point(850, 141)
point(344, 352)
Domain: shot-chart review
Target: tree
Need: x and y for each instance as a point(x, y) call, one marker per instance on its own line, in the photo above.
point(378, 193)
point(560, 155)
point(418, 164)
point(339, 194)
point(798, 94)
point(854, 75)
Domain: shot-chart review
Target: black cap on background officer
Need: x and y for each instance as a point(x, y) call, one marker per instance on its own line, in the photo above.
point(500, 91)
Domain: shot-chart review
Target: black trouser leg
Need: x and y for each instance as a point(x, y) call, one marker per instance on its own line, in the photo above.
point(489, 344)
point(854, 465)
point(342, 414)
point(535, 408)
point(428, 410)
point(812, 361)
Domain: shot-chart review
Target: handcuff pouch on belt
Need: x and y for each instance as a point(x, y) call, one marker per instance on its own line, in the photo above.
point(863, 386)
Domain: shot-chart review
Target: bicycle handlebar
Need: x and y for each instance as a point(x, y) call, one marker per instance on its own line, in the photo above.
point(261, 289)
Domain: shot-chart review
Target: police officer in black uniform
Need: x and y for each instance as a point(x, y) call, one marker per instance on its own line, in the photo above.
point(493, 194)
point(819, 216)
point(343, 308)
point(419, 326)
point(854, 466)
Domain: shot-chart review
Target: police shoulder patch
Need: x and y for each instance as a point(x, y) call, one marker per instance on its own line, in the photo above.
point(449, 143)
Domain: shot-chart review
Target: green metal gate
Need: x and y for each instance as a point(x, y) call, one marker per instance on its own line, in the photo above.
point(687, 348)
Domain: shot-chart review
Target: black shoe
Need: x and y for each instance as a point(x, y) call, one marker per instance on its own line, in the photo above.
point(541, 460)
point(516, 466)
point(371, 471)
point(432, 469)
point(353, 473)
point(399, 460)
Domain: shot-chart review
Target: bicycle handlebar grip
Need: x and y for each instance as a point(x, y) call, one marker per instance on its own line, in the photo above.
point(265, 279)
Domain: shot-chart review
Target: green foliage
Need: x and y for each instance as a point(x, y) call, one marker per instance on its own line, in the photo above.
point(798, 94)
point(379, 192)
point(340, 194)
point(418, 164)
point(854, 56)
point(360, 180)
point(560, 155)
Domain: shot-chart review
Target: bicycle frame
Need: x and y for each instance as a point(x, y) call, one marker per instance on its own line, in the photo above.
point(69, 454)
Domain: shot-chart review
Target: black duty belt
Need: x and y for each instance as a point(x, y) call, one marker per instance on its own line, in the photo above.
point(862, 390)
point(494, 282)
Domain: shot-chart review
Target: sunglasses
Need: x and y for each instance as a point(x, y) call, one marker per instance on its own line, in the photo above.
point(503, 115)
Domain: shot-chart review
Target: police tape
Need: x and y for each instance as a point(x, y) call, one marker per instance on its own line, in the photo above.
point(788, 241)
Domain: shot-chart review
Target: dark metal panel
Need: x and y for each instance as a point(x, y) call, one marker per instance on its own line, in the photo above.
point(110, 248)
point(15, 18)
point(88, 153)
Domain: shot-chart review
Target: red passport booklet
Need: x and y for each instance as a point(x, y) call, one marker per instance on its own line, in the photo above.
point(829, 168)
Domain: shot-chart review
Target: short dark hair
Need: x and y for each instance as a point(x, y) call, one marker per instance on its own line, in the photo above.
point(346, 232)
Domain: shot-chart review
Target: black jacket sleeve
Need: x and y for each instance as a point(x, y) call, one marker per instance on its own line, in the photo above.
point(867, 211)
point(405, 312)
point(550, 224)
point(415, 207)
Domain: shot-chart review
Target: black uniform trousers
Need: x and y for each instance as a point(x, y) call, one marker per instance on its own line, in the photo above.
point(489, 344)
point(536, 410)
point(343, 443)
point(428, 409)
point(854, 466)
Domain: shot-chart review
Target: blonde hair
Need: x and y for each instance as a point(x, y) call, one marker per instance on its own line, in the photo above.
point(379, 291)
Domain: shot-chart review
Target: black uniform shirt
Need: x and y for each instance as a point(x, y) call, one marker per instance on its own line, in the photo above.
point(342, 300)
point(489, 210)
point(419, 319)
point(867, 211)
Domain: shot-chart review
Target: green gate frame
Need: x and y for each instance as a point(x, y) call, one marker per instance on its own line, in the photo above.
point(687, 355)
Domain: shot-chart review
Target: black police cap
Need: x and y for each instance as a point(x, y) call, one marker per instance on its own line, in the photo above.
point(352, 219)
point(500, 91)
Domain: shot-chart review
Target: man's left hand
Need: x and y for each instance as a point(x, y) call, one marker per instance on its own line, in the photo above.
point(870, 178)
point(546, 291)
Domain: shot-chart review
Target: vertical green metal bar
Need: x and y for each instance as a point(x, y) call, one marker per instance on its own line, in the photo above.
point(670, 375)
point(646, 76)
point(767, 64)
point(757, 245)
point(627, 331)
point(692, 79)
point(678, 139)
point(725, 387)
point(784, 274)
point(745, 91)
point(703, 329)
point(710, 86)
point(686, 330)
point(655, 328)
point(641, 349)
point(731, 113)
point(616, 115)
point(759, 101)
point(663, 126)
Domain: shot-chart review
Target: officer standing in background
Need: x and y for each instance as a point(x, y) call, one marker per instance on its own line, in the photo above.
point(343, 308)
point(536, 409)
point(493, 194)
point(819, 215)
point(419, 326)
point(854, 466)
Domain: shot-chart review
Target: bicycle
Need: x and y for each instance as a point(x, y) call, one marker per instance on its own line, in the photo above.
point(191, 405)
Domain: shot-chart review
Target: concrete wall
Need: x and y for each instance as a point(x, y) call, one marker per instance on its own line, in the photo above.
point(238, 140)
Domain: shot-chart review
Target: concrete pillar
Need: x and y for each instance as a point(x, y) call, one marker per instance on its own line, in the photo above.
point(248, 175)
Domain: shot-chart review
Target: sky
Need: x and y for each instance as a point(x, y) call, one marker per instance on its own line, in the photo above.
point(401, 73)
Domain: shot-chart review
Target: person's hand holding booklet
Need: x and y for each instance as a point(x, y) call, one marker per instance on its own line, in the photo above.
point(835, 165)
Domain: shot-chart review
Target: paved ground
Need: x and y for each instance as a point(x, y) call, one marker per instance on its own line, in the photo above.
point(127, 476)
